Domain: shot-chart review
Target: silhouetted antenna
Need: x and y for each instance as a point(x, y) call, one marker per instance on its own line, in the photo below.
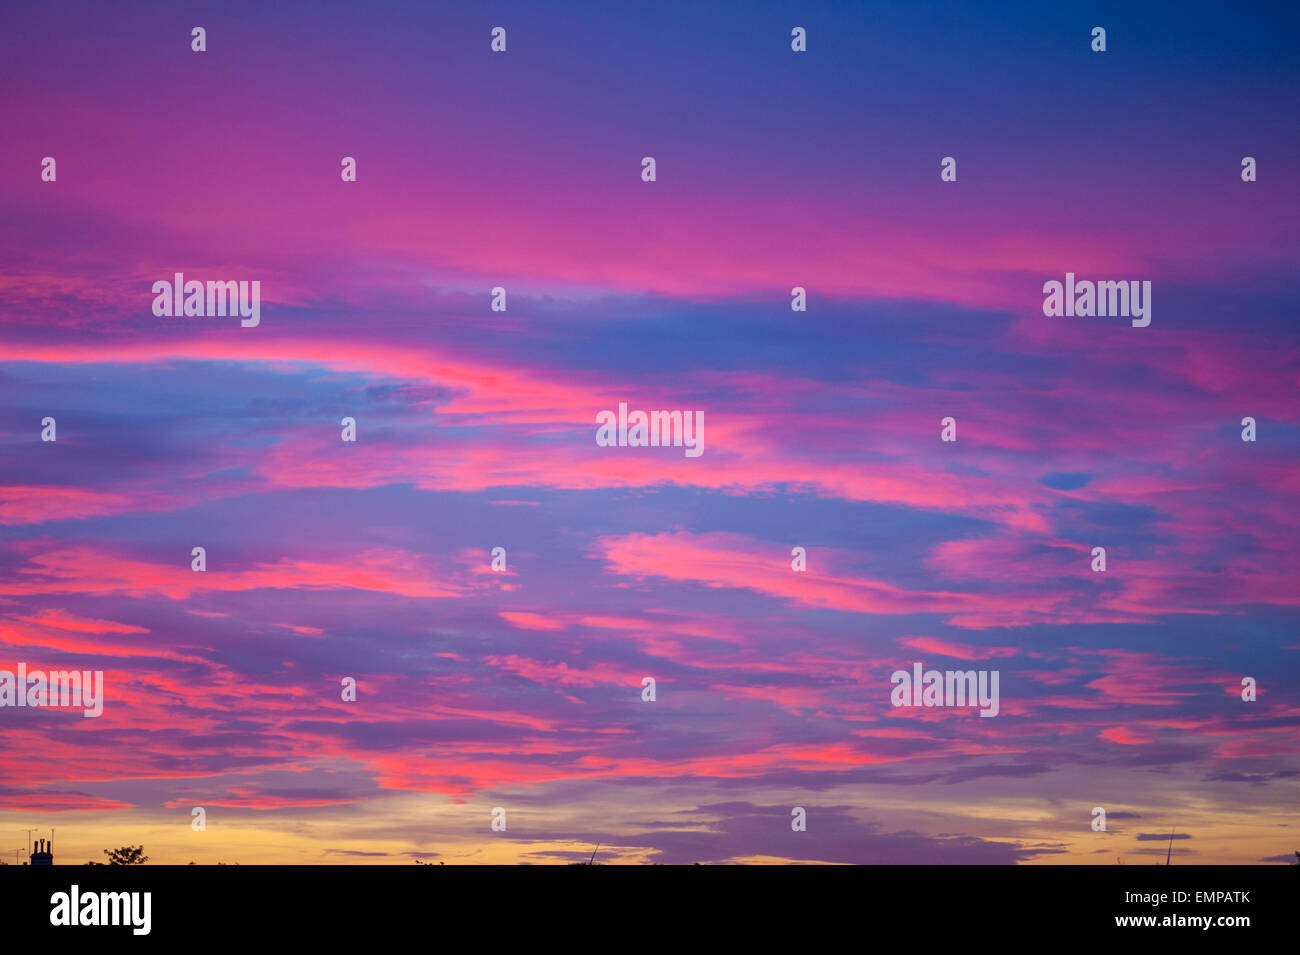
point(592, 860)
point(1171, 845)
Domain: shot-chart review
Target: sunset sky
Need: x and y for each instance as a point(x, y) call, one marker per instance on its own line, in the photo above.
point(475, 430)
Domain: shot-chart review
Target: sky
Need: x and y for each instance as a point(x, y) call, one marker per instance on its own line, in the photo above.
point(475, 429)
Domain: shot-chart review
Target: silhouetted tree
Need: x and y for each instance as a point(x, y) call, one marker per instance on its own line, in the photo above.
point(126, 855)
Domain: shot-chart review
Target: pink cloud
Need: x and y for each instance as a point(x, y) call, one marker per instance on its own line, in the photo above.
point(82, 569)
point(959, 651)
point(526, 620)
